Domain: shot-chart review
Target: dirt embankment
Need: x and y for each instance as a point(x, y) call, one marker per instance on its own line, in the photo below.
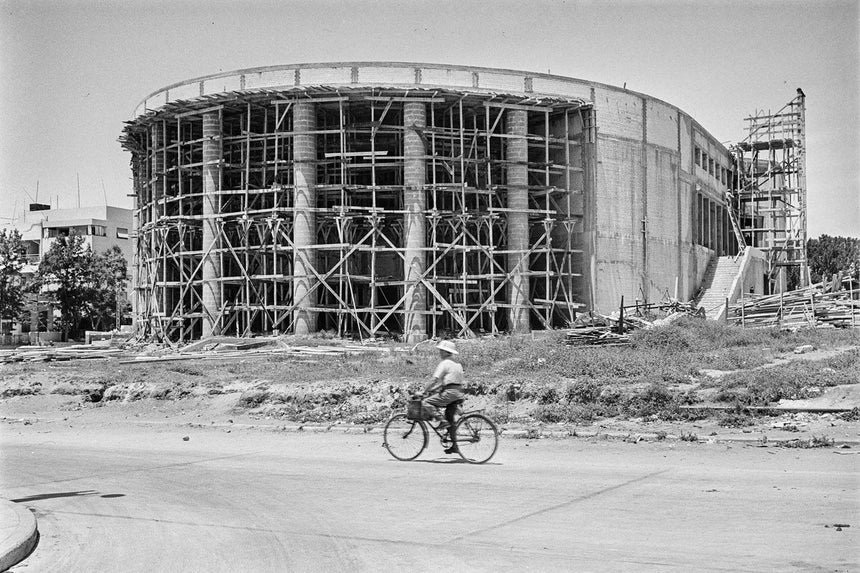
point(532, 385)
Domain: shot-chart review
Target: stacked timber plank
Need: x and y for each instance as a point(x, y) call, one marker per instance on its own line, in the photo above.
point(229, 352)
point(56, 354)
point(602, 330)
point(218, 348)
point(595, 336)
point(819, 305)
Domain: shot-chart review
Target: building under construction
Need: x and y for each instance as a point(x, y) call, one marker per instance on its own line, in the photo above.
point(416, 200)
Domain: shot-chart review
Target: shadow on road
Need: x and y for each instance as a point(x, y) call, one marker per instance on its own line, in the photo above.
point(42, 496)
point(454, 461)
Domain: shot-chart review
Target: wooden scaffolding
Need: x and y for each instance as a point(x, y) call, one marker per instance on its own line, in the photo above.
point(356, 270)
point(770, 191)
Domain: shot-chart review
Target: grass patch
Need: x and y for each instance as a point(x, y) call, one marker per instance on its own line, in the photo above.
point(793, 381)
point(813, 442)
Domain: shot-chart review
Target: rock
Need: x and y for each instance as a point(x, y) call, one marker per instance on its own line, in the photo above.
point(185, 438)
point(804, 349)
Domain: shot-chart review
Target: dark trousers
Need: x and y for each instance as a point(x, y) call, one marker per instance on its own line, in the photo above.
point(447, 398)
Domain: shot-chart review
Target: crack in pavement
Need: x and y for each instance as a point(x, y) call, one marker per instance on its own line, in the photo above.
point(556, 506)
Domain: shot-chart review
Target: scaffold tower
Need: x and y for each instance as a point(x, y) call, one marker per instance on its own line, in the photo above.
point(770, 191)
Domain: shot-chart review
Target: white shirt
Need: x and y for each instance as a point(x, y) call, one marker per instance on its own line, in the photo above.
point(449, 373)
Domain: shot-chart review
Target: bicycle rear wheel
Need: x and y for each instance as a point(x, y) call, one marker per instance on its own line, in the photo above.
point(477, 438)
point(405, 439)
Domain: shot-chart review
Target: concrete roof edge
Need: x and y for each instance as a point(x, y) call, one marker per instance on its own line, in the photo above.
point(430, 65)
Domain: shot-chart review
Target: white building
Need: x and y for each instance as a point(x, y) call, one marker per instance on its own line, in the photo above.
point(102, 227)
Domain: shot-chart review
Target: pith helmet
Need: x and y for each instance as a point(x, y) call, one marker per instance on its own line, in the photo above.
point(447, 346)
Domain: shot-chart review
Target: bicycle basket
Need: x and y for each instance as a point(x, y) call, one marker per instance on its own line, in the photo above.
point(415, 410)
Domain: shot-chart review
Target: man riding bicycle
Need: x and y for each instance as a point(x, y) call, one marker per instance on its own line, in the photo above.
point(448, 382)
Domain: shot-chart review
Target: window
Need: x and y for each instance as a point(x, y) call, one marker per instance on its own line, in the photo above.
point(54, 232)
point(98, 231)
point(698, 156)
point(711, 166)
point(121, 233)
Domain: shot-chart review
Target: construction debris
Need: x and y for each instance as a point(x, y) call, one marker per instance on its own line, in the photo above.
point(56, 354)
point(820, 305)
point(214, 348)
point(602, 330)
point(595, 336)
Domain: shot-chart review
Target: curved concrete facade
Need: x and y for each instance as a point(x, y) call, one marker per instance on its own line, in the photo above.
point(562, 195)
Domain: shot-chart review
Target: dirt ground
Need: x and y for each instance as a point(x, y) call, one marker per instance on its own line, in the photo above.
point(49, 394)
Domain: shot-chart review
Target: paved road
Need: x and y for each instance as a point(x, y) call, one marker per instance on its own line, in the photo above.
point(141, 499)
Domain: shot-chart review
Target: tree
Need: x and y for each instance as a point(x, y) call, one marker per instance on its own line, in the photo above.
point(828, 255)
point(12, 258)
point(66, 269)
point(109, 275)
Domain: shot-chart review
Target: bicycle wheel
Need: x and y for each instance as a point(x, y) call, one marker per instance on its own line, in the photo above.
point(405, 439)
point(477, 438)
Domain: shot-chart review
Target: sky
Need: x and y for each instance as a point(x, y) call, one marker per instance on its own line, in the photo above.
point(72, 71)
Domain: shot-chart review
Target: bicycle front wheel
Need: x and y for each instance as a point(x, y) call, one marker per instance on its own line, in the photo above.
point(477, 438)
point(405, 439)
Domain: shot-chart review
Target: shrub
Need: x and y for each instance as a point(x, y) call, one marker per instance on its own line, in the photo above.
point(654, 400)
point(65, 389)
point(501, 414)
point(563, 413)
point(547, 395)
point(252, 398)
point(736, 418)
point(585, 391)
point(813, 442)
point(549, 413)
point(185, 369)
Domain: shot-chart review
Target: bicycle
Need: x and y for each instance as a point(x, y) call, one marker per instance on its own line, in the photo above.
point(475, 435)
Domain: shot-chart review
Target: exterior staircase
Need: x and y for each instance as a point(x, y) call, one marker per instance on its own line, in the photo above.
point(719, 284)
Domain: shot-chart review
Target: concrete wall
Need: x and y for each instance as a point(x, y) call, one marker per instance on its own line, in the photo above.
point(643, 200)
point(754, 277)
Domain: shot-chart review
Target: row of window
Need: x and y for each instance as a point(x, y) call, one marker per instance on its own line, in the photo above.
point(84, 230)
point(712, 226)
point(712, 166)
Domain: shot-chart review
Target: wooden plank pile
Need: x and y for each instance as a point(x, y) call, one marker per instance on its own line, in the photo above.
point(595, 336)
point(57, 354)
point(602, 330)
point(219, 348)
point(822, 305)
point(231, 352)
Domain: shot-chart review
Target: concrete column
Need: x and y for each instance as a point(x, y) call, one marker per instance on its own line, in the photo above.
point(156, 144)
point(135, 258)
point(156, 194)
point(516, 124)
point(212, 156)
point(414, 203)
point(304, 219)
